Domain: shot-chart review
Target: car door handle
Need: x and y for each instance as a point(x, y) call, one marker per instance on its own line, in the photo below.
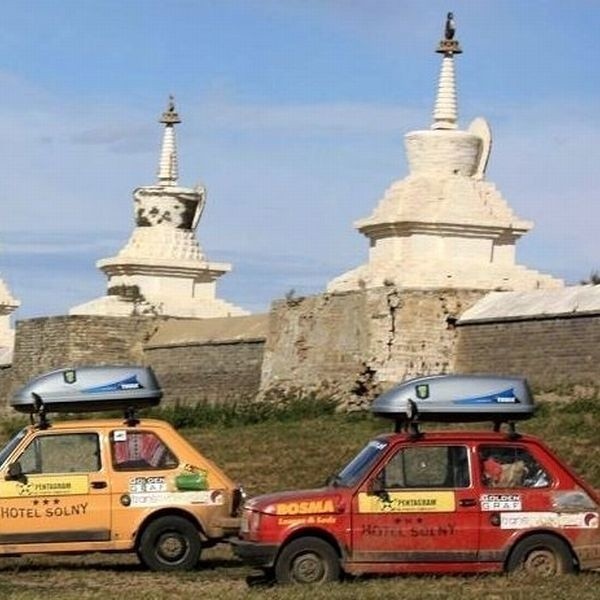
point(99, 485)
point(467, 502)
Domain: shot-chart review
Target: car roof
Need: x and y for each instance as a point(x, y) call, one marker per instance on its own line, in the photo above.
point(104, 423)
point(464, 436)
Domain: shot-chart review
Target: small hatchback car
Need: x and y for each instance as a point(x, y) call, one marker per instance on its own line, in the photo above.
point(440, 502)
point(109, 485)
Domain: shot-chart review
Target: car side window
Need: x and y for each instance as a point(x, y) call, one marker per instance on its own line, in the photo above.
point(427, 467)
point(511, 467)
point(140, 450)
point(62, 453)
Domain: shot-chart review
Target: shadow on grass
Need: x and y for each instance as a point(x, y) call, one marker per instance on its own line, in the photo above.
point(28, 564)
point(260, 580)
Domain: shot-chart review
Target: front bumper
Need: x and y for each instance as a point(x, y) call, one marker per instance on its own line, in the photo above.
point(254, 553)
point(229, 525)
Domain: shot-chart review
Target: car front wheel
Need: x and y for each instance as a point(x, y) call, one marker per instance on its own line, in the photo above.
point(307, 560)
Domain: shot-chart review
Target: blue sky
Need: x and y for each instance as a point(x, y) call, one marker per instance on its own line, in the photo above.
point(294, 113)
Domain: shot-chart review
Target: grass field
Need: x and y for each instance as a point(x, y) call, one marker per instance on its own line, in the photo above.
point(284, 454)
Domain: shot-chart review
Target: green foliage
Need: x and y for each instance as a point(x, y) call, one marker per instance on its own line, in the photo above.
point(593, 279)
point(183, 416)
point(292, 443)
point(11, 424)
point(302, 452)
point(588, 406)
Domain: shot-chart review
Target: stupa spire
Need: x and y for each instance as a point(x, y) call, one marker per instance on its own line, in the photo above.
point(444, 226)
point(162, 269)
point(167, 166)
point(445, 112)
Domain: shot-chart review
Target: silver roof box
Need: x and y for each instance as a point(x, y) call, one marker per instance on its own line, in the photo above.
point(89, 389)
point(457, 398)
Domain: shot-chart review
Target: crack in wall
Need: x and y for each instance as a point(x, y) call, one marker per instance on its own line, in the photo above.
point(394, 303)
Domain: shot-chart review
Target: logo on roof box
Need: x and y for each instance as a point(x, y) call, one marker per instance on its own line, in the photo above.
point(505, 397)
point(129, 383)
point(69, 376)
point(422, 391)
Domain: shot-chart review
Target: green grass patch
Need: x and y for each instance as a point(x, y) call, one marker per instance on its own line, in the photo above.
point(292, 446)
point(284, 408)
point(11, 424)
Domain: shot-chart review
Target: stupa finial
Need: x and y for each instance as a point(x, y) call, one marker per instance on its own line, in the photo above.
point(445, 112)
point(448, 45)
point(167, 166)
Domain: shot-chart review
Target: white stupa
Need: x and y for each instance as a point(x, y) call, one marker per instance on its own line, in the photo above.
point(444, 225)
point(162, 269)
point(8, 305)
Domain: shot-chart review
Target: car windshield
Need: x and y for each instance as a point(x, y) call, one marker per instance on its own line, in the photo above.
point(12, 444)
point(355, 470)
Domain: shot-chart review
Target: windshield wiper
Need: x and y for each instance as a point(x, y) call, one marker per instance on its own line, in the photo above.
point(333, 480)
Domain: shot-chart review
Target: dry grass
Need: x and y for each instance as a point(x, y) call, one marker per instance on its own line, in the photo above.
point(221, 576)
point(283, 455)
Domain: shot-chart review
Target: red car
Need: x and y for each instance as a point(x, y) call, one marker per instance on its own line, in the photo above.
point(443, 502)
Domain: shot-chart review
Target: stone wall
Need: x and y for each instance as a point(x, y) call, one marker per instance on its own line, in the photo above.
point(48, 343)
point(208, 360)
point(5, 387)
point(213, 372)
point(316, 342)
point(355, 344)
point(349, 345)
point(195, 360)
point(550, 352)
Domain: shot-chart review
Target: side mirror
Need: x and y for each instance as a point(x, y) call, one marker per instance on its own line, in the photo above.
point(375, 486)
point(330, 481)
point(15, 473)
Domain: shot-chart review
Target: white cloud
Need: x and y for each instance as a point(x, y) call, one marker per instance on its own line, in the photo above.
point(285, 184)
point(544, 161)
point(305, 120)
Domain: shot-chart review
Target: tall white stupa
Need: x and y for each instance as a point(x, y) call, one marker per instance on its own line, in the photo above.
point(444, 225)
point(162, 269)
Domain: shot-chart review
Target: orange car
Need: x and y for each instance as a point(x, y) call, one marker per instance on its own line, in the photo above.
point(109, 485)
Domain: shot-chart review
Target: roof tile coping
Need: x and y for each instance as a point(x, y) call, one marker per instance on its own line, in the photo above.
point(220, 330)
point(580, 300)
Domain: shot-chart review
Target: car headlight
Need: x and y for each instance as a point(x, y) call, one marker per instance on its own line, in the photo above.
point(244, 523)
point(250, 521)
point(253, 522)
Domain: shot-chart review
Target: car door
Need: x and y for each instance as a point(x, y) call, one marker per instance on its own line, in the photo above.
point(420, 506)
point(56, 490)
point(515, 495)
point(144, 478)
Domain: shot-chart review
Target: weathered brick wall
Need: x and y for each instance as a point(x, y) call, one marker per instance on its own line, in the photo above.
point(48, 343)
point(355, 344)
point(417, 335)
point(315, 342)
point(5, 387)
point(213, 372)
point(550, 352)
point(350, 345)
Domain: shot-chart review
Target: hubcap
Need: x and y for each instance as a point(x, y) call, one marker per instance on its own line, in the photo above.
point(542, 562)
point(308, 568)
point(172, 547)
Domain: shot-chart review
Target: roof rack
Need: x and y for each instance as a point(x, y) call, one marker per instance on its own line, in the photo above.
point(457, 399)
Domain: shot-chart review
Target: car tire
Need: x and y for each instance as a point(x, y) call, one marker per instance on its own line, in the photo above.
point(541, 555)
point(170, 544)
point(307, 560)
